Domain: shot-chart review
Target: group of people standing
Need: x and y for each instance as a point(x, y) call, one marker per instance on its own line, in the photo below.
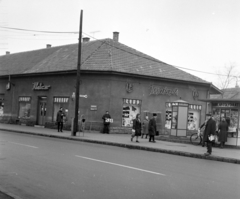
point(145, 128)
point(210, 130)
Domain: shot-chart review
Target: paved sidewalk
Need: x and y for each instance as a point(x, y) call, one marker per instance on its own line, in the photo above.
point(230, 155)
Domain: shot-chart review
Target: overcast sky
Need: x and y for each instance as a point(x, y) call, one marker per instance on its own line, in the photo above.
point(201, 35)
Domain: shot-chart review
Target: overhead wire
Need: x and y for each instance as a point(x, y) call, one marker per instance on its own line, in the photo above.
point(145, 57)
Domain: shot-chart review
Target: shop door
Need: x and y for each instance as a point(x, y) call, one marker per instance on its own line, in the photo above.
point(42, 109)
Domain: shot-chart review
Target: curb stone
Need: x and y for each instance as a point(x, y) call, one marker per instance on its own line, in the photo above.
point(173, 152)
point(8, 194)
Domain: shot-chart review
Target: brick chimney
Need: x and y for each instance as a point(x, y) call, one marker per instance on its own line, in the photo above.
point(7, 53)
point(115, 36)
point(48, 45)
point(86, 39)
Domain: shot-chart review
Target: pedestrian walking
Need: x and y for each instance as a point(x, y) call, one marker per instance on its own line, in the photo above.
point(152, 128)
point(137, 127)
point(145, 127)
point(106, 122)
point(59, 121)
point(222, 132)
point(210, 131)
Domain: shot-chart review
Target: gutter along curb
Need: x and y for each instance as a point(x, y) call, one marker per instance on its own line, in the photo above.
point(130, 146)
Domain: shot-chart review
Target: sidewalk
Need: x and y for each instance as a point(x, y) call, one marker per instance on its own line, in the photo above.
point(230, 155)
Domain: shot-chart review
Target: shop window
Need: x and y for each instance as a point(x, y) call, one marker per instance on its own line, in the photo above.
point(232, 118)
point(60, 102)
point(168, 119)
point(194, 112)
point(131, 107)
point(1, 105)
point(24, 107)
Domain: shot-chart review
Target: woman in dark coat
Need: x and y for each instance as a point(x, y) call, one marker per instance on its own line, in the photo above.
point(137, 127)
point(223, 130)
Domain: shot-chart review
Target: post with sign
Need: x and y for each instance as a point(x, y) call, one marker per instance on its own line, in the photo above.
point(75, 126)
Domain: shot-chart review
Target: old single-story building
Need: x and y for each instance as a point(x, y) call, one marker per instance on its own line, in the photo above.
point(114, 78)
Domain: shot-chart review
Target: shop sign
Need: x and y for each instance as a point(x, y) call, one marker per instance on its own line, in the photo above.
point(157, 90)
point(226, 104)
point(8, 86)
point(132, 101)
point(194, 92)
point(129, 87)
point(39, 86)
point(24, 99)
point(61, 99)
point(93, 107)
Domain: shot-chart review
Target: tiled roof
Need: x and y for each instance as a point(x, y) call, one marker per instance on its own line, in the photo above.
point(99, 55)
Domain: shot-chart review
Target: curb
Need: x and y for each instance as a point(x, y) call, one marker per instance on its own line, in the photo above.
point(173, 152)
point(8, 194)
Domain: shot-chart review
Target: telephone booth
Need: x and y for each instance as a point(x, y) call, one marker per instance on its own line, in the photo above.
point(179, 118)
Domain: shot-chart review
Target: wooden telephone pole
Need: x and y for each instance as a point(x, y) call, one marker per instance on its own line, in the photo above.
point(75, 123)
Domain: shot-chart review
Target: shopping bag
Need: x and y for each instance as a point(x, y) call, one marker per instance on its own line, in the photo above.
point(216, 138)
point(211, 138)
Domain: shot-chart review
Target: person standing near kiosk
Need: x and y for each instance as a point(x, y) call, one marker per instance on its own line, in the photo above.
point(106, 122)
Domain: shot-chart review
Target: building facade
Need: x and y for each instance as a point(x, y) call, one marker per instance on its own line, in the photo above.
point(114, 78)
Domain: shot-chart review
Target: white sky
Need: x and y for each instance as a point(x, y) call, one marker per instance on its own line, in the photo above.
point(200, 35)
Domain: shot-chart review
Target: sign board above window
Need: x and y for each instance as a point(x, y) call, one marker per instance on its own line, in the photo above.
point(24, 99)
point(226, 104)
point(132, 101)
point(39, 86)
point(61, 99)
point(158, 90)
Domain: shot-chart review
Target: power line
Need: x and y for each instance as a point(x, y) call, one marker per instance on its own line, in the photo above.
point(151, 59)
point(43, 31)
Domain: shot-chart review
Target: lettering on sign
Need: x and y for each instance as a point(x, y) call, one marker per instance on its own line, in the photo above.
point(132, 101)
point(194, 92)
point(129, 87)
point(157, 90)
point(226, 104)
point(39, 86)
point(24, 99)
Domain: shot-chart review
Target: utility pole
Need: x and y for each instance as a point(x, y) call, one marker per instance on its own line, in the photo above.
point(75, 126)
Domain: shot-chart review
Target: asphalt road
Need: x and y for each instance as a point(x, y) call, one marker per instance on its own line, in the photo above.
point(33, 167)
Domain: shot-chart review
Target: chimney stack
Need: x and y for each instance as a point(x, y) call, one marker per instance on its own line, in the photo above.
point(86, 39)
point(49, 46)
point(115, 36)
point(7, 53)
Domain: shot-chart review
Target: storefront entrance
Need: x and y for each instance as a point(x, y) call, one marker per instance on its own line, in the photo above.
point(42, 110)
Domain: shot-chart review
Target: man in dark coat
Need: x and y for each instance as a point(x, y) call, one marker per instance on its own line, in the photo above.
point(106, 122)
point(152, 127)
point(223, 131)
point(210, 129)
point(60, 115)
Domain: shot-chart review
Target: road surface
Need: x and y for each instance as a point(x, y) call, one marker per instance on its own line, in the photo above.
point(33, 167)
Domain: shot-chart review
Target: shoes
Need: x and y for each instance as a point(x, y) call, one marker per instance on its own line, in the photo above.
point(154, 141)
point(207, 154)
point(136, 140)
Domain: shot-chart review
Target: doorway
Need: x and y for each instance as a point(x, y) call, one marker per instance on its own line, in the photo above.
point(42, 110)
